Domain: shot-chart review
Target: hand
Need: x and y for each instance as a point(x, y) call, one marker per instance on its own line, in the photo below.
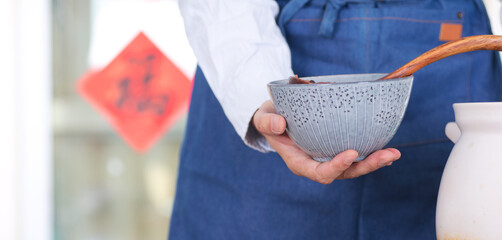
point(342, 166)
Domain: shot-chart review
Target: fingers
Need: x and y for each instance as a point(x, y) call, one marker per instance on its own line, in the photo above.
point(341, 166)
point(267, 122)
point(325, 172)
point(373, 162)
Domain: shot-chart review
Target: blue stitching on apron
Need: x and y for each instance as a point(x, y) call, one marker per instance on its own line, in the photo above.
point(330, 16)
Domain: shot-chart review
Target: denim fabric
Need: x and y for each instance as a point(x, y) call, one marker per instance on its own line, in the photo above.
point(229, 191)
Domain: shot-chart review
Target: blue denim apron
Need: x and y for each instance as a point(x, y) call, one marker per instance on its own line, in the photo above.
point(229, 191)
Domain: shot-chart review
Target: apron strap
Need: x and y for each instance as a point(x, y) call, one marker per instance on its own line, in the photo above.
point(328, 20)
point(288, 11)
point(330, 16)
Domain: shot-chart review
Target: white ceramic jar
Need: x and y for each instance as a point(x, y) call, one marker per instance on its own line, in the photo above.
point(470, 195)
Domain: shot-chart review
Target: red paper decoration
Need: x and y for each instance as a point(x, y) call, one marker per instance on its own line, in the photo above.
point(141, 92)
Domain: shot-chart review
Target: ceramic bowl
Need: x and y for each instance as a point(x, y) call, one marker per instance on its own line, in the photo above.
point(350, 112)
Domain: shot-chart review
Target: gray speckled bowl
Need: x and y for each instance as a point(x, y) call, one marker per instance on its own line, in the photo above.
point(353, 112)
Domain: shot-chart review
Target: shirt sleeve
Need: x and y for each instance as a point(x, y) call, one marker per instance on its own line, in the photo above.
point(240, 49)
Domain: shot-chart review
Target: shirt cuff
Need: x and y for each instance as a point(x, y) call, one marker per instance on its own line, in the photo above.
point(245, 96)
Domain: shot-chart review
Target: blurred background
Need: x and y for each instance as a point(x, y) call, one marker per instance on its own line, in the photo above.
point(65, 172)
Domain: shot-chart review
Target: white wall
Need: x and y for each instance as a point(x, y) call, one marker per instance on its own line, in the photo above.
point(8, 166)
point(116, 22)
point(25, 126)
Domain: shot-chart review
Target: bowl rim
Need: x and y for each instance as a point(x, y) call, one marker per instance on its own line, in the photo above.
point(283, 83)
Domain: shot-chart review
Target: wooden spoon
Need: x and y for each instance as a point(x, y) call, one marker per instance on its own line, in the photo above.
point(467, 44)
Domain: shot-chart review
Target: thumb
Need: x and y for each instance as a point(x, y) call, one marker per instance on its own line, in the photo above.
point(269, 123)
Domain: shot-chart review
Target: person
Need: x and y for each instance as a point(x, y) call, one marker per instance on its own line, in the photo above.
point(231, 183)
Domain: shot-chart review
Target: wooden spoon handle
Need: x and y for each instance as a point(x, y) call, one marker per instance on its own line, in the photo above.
point(467, 44)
